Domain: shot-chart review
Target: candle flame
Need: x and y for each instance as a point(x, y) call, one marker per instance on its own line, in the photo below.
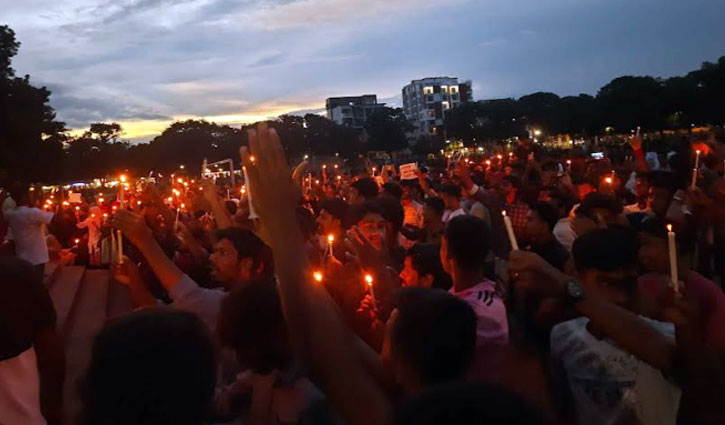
point(78, 240)
point(100, 200)
point(330, 238)
point(180, 180)
point(123, 178)
point(317, 276)
point(170, 199)
point(669, 228)
point(503, 213)
point(608, 180)
point(369, 279)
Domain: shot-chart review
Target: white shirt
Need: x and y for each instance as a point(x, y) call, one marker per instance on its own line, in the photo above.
point(448, 214)
point(8, 205)
point(564, 233)
point(492, 325)
point(20, 390)
point(205, 303)
point(28, 226)
point(413, 214)
point(634, 208)
point(610, 386)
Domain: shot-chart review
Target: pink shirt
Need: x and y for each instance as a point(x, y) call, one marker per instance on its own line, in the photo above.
point(492, 326)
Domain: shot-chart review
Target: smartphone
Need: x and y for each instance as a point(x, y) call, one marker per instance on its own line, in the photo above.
point(598, 155)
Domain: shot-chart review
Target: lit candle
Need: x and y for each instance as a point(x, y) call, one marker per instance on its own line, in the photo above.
point(697, 158)
point(176, 222)
point(568, 165)
point(369, 281)
point(510, 231)
point(694, 170)
point(330, 240)
point(252, 213)
point(673, 258)
point(120, 246)
point(317, 276)
point(121, 188)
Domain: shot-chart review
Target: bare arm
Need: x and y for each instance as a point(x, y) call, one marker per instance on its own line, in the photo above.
point(221, 215)
point(323, 341)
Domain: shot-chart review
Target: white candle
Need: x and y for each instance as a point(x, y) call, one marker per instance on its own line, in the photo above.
point(369, 281)
point(330, 240)
point(673, 258)
point(114, 246)
point(120, 246)
point(694, 178)
point(252, 214)
point(510, 231)
point(697, 158)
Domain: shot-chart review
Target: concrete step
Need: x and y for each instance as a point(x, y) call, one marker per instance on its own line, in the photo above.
point(119, 300)
point(52, 269)
point(63, 290)
point(86, 320)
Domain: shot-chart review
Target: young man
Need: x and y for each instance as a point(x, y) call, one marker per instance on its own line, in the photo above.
point(543, 216)
point(642, 194)
point(451, 196)
point(27, 224)
point(463, 253)
point(412, 209)
point(607, 383)
point(32, 363)
point(332, 220)
point(423, 268)
point(238, 256)
point(362, 190)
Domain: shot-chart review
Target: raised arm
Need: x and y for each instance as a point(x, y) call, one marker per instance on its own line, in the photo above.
point(221, 215)
point(325, 345)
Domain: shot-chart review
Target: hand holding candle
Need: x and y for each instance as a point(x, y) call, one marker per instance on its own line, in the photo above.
point(369, 282)
point(330, 240)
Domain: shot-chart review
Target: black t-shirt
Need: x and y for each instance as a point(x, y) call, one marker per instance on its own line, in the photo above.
point(25, 307)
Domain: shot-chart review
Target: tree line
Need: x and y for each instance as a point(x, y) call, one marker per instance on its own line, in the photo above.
point(35, 146)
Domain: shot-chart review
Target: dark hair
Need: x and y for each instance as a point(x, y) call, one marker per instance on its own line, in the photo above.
point(19, 191)
point(515, 181)
point(562, 200)
point(392, 212)
point(547, 212)
point(598, 200)
point(550, 166)
point(655, 226)
point(394, 189)
point(306, 222)
point(367, 187)
point(467, 403)
point(664, 179)
point(336, 207)
point(231, 207)
point(150, 367)
point(451, 190)
point(371, 206)
point(251, 319)
point(436, 204)
point(607, 249)
point(426, 260)
point(248, 245)
point(435, 334)
point(468, 241)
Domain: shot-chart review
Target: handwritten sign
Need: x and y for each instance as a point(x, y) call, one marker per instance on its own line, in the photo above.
point(407, 171)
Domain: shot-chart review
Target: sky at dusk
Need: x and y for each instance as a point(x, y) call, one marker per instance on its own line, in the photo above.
point(146, 63)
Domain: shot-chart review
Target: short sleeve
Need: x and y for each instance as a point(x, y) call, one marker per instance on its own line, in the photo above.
point(41, 216)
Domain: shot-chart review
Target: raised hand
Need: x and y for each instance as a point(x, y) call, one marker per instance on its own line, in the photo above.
point(126, 273)
point(273, 191)
point(531, 272)
point(133, 226)
point(364, 253)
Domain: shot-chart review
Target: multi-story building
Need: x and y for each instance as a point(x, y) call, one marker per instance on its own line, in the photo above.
point(352, 111)
point(426, 101)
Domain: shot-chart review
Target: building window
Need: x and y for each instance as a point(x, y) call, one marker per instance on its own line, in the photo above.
point(454, 89)
point(431, 113)
point(454, 97)
point(446, 105)
point(444, 89)
point(428, 90)
point(429, 98)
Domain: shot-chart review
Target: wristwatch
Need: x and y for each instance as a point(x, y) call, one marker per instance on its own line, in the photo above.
point(574, 291)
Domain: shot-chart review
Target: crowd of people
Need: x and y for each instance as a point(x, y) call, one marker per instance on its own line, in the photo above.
point(514, 286)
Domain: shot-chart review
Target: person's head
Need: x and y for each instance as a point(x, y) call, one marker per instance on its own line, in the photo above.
point(155, 366)
point(465, 245)
point(451, 196)
point(509, 185)
point(467, 403)
point(606, 260)
point(595, 211)
point(663, 185)
point(306, 222)
point(433, 209)
point(432, 340)
point(369, 217)
point(238, 256)
point(251, 323)
point(394, 214)
point(423, 268)
point(231, 207)
point(363, 189)
point(392, 190)
point(541, 221)
point(641, 186)
point(653, 252)
point(20, 192)
point(549, 172)
point(409, 190)
point(332, 217)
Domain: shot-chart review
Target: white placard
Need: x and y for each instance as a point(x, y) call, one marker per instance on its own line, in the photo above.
point(407, 171)
point(74, 198)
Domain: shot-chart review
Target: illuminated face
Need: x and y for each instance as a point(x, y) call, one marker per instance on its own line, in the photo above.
point(409, 275)
point(227, 268)
point(374, 227)
point(327, 223)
